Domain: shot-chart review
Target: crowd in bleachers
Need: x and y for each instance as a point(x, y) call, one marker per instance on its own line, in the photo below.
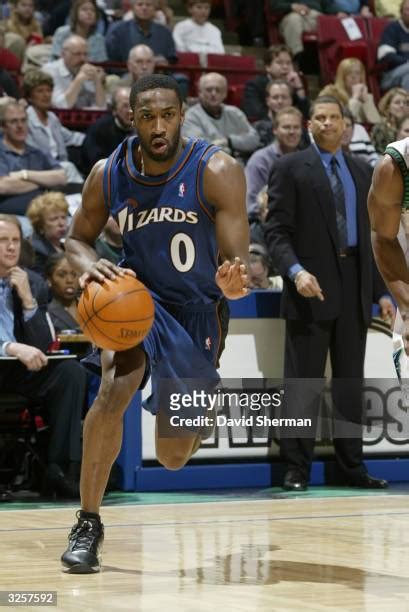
point(66, 69)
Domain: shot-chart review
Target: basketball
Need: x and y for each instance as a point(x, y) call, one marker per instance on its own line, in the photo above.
point(117, 314)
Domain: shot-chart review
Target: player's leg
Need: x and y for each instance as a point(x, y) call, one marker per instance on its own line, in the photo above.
point(173, 453)
point(122, 374)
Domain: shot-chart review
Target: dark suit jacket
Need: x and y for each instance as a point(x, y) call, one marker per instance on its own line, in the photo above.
point(301, 227)
point(102, 138)
point(61, 318)
point(36, 331)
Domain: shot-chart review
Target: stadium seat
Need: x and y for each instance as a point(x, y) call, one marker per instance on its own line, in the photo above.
point(78, 118)
point(236, 68)
point(376, 26)
point(334, 45)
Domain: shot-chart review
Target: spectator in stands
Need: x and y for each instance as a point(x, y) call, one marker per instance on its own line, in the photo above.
point(77, 84)
point(299, 18)
point(45, 130)
point(141, 62)
point(259, 270)
point(403, 128)
point(278, 65)
point(220, 124)
point(393, 106)
point(197, 34)
point(109, 131)
point(287, 130)
point(351, 89)
point(83, 21)
point(163, 14)
point(251, 21)
point(26, 334)
point(109, 244)
point(351, 7)
point(142, 29)
point(24, 170)
point(356, 140)
point(22, 28)
point(64, 285)
point(8, 86)
point(278, 97)
point(48, 214)
point(394, 51)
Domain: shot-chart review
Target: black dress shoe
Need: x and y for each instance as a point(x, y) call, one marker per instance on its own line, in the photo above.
point(368, 482)
point(294, 481)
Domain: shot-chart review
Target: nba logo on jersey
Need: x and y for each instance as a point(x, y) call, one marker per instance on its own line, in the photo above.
point(182, 190)
point(208, 343)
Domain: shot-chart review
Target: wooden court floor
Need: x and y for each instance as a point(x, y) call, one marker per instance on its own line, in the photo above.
point(315, 554)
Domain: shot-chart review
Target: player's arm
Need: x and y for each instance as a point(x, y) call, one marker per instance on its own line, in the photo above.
point(225, 189)
point(87, 224)
point(384, 205)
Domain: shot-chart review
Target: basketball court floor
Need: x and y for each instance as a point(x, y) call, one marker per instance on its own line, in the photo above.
point(261, 550)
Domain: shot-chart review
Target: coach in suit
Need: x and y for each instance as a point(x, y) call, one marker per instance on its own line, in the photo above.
point(318, 235)
point(25, 334)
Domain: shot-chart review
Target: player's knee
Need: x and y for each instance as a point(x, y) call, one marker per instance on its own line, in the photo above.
point(172, 460)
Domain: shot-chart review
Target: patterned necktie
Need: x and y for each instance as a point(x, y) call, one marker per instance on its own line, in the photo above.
point(339, 197)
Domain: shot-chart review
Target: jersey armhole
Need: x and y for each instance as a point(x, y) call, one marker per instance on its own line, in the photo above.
point(400, 162)
point(206, 206)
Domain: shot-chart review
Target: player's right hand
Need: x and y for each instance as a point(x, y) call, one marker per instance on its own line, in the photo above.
point(308, 286)
point(101, 270)
point(31, 356)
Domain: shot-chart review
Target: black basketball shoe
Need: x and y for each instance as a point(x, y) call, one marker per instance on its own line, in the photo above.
point(83, 555)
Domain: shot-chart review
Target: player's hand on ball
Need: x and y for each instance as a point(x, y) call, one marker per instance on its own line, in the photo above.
point(232, 279)
point(102, 269)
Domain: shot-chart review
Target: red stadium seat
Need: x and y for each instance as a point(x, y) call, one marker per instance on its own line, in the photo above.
point(235, 95)
point(334, 44)
point(78, 118)
point(376, 26)
point(236, 68)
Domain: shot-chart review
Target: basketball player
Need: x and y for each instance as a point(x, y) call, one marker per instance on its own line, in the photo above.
point(388, 204)
point(180, 205)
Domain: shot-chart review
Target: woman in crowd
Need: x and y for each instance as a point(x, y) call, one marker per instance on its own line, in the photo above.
point(351, 89)
point(48, 214)
point(45, 130)
point(83, 21)
point(22, 28)
point(394, 107)
point(63, 281)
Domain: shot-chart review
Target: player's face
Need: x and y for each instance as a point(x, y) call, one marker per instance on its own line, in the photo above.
point(158, 119)
point(327, 126)
point(64, 281)
point(10, 245)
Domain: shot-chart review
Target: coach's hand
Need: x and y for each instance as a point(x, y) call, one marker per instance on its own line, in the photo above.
point(308, 286)
point(232, 279)
point(30, 356)
point(101, 270)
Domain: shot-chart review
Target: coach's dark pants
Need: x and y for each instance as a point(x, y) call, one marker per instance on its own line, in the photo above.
point(306, 349)
point(61, 387)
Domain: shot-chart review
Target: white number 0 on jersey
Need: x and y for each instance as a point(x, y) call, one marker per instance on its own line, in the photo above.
point(183, 261)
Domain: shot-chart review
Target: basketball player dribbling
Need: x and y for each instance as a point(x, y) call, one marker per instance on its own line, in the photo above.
point(388, 204)
point(180, 205)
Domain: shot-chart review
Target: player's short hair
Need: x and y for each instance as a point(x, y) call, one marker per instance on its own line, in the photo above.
point(326, 100)
point(154, 81)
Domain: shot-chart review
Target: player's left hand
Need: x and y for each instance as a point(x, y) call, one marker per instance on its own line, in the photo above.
point(232, 279)
point(388, 310)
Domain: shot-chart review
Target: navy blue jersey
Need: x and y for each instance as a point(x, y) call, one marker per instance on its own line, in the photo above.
point(166, 223)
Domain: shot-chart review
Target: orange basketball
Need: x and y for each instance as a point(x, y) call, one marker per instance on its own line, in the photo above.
point(116, 314)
